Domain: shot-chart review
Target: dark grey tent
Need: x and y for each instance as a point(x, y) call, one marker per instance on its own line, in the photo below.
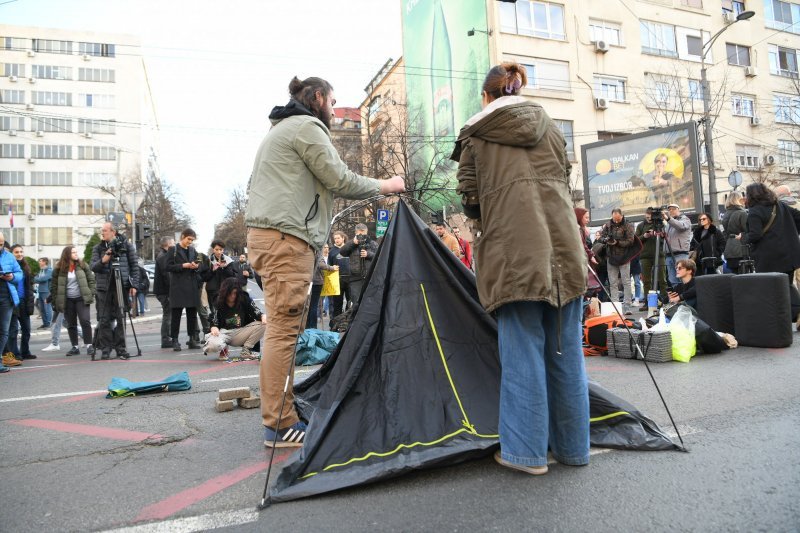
point(415, 382)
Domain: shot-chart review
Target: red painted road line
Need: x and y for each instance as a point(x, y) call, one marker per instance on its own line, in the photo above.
point(180, 501)
point(83, 429)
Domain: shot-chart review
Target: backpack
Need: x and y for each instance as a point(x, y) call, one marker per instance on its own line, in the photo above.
point(594, 333)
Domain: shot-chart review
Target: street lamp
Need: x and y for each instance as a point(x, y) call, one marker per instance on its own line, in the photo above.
point(712, 178)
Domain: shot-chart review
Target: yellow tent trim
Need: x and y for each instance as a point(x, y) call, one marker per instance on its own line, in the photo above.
point(610, 415)
point(401, 447)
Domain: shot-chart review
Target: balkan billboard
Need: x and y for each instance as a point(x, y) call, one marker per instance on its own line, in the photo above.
point(444, 72)
point(655, 168)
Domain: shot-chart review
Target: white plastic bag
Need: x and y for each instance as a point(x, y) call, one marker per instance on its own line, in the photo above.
point(681, 327)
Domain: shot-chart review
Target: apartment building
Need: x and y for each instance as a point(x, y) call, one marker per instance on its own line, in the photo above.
point(75, 125)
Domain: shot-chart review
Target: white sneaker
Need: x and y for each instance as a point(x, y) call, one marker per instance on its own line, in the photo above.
point(52, 348)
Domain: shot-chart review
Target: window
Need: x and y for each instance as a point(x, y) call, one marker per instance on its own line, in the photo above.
point(55, 236)
point(96, 206)
point(96, 179)
point(97, 152)
point(601, 30)
point(14, 69)
point(54, 47)
point(743, 105)
point(658, 39)
point(695, 90)
point(51, 151)
point(544, 74)
point(787, 108)
point(96, 49)
point(12, 123)
point(566, 130)
point(12, 151)
point(51, 72)
point(782, 61)
point(732, 6)
point(13, 43)
point(96, 126)
point(96, 74)
point(56, 125)
point(697, 4)
point(782, 15)
point(12, 97)
point(537, 19)
point(51, 206)
point(737, 54)
point(789, 156)
point(12, 177)
point(748, 156)
point(51, 98)
point(51, 178)
point(13, 234)
point(610, 88)
point(19, 206)
point(690, 44)
point(101, 101)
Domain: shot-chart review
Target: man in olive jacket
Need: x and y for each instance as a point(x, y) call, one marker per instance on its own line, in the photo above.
point(295, 175)
point(110, 321)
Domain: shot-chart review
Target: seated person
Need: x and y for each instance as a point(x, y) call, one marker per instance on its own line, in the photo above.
point(684, 292)
point(235, 321)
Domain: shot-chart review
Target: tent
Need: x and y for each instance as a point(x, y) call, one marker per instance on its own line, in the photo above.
point(415, 382)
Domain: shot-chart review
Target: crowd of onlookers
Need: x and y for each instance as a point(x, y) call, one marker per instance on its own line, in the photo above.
point(758, 232)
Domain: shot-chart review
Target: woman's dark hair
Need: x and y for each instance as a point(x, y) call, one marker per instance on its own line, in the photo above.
point(305, 92)
point(228, 286)
point(505, 79)
point(26, 268)
point(759, 194)
point(66, 260)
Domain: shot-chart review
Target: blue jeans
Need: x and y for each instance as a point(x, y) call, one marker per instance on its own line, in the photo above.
point(46, 309)
point(544, 396)
point(671, 274)
point(55, 329)
point(141, 302)
point(6, 308)
point(19, 322)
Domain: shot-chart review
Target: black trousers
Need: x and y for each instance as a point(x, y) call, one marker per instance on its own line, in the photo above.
point(77, 311)
point(110, 323)
point(166, 317)
point(338, 301)
point(191, 322)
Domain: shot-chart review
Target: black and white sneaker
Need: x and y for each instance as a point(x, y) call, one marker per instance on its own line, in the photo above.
point(291, 437)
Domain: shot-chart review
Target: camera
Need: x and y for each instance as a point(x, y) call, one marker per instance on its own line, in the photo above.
point(603, 239)
point(117, 246)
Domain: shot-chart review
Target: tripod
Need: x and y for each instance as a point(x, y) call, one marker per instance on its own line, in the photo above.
point(116, 276)
point(658, 229)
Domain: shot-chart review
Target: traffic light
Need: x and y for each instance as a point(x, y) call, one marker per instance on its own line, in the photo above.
point(146, 231)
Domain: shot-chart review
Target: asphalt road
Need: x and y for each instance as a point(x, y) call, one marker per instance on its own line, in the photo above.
point(73, 460)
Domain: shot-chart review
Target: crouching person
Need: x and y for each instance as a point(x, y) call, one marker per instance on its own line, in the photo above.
point(235, 321)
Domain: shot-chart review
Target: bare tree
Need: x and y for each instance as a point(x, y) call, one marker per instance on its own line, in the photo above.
point(233, 230)
point(162, 211)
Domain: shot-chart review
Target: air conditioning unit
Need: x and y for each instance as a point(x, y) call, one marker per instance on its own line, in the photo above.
point(31, 80)
point(600, 103)
point(728, 17)
point(12, 79)
point(29, 107)
point(750, 72)
point(12, 133)
point(86, 57)
point(601, 46)
point(40, 133)
point(31, 53)
point(755, 121)
point(31, 216)
point(770, 160)
point(31, 160)
point(88, 134)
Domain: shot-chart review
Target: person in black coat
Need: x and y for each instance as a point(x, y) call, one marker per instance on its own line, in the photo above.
point(184, 266)
point(709, 244)
point(334, 258)
point(161, 290)
point(221, 267)
point(772, 232)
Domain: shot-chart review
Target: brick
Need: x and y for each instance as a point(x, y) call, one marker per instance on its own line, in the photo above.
point(250, 403)
point(233, 394)
point(225, 405)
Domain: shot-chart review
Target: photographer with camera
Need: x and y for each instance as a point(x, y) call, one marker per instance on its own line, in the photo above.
point(113, 250)
point(364, 249)
point(648, 231)
point(619, 239)
point(678, 236)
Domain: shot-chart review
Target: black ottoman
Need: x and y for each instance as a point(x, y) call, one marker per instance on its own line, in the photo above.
point(761, 310)
point(715, 301)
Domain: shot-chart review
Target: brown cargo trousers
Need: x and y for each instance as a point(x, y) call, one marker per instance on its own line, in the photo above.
point(285, 264)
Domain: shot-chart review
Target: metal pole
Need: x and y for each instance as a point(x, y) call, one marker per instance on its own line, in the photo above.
point(712, 177)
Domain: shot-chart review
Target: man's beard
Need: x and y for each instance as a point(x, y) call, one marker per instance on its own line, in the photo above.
point(320, 114)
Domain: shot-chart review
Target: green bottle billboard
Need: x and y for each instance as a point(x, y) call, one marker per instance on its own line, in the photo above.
point(445, 68)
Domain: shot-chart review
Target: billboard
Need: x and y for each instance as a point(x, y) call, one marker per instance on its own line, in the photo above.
point(655, 168)
point(445, 68)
